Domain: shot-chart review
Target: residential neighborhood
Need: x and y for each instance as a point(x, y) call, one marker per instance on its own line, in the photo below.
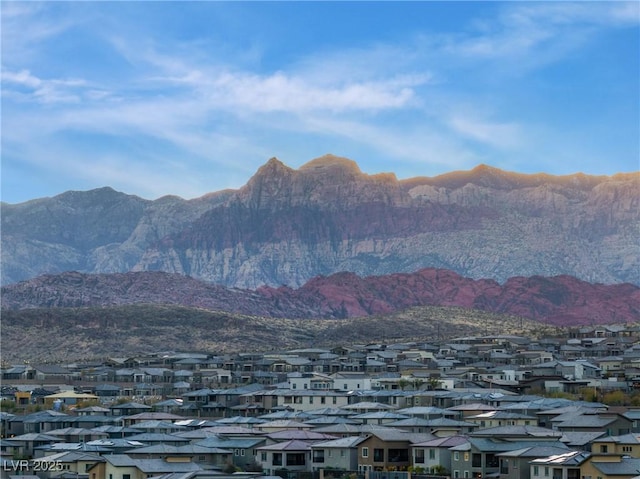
point(505, 407)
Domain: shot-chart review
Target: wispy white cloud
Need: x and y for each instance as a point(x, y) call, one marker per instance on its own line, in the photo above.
point(27, 25)
point(495, 134)
point(534, 35)
point(282, 92)
point(29, 86)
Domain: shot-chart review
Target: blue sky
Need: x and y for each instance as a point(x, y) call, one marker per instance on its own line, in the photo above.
point(185, 98)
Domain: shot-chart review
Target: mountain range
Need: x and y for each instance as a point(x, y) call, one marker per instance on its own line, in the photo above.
point(287, 226)
point(559, 301)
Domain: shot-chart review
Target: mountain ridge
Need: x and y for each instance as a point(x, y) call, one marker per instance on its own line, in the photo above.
point(561, 300)
point(286, 226)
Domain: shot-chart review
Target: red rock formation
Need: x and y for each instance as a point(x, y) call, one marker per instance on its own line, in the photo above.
point(561, 300)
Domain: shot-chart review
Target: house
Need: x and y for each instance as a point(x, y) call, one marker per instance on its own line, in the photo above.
point(379, 417)
point(122, 466)
point(128, 409)
point(299, 434)
point(105, 390)
point(614, 424)
point(244, 449)
point(299, 400)
point(387, 448)
point(479, 457)
point(291, 455)
point(313, 380)
point(155, 416)
point(339, 454)
point(516, 464)
point(204, 456)
point(472, 409)
point(502, 418)
point(24, 445)
point(76, 462)
point(351, 381)
point(51, 372)
point(610, 467)
point(41, 421)
point(519, 433)
point(559, 466)
point(435, 455)
point(440, 427)
point(68, 398)
point(627, 445)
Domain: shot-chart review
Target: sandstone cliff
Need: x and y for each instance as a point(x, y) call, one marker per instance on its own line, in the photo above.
point(286, 226)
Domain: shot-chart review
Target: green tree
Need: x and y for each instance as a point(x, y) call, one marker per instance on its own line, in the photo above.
point(616, 398)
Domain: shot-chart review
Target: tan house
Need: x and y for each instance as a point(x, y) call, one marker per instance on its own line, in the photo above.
point(625, 445)
point(388, 450)
point(610, 466)
point(77, 462)
point(502, 418)
point(559, 466)
point(121, 466)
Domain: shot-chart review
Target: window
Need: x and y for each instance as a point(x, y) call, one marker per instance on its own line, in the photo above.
point(236, 452)
point(310, 399)
point(277, 459)
point(418, 456)
point(296, 459)
point(476, 460)
point(341, 452)
point(456, 456)
point(466, 474)
point(263, 457)
point(378, 455)
point(536, 471)
point(323, 400)
point(604, 448)
point(335, 400)
point(432, 454)
point(126, 476)
point(242, 452)
point(546, 471)
point(627, 448)
point(504, 466)
point(398, 455)
point(318, 455)
point(456, 474)
point(365, 452)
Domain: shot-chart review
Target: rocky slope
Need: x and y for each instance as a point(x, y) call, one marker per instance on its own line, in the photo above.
point(561, 300)
point(88, 333)
point(287, 226)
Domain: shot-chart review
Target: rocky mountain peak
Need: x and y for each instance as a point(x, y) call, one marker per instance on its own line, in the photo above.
point(331, 181)
point(273, 167)
point(332, 163)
